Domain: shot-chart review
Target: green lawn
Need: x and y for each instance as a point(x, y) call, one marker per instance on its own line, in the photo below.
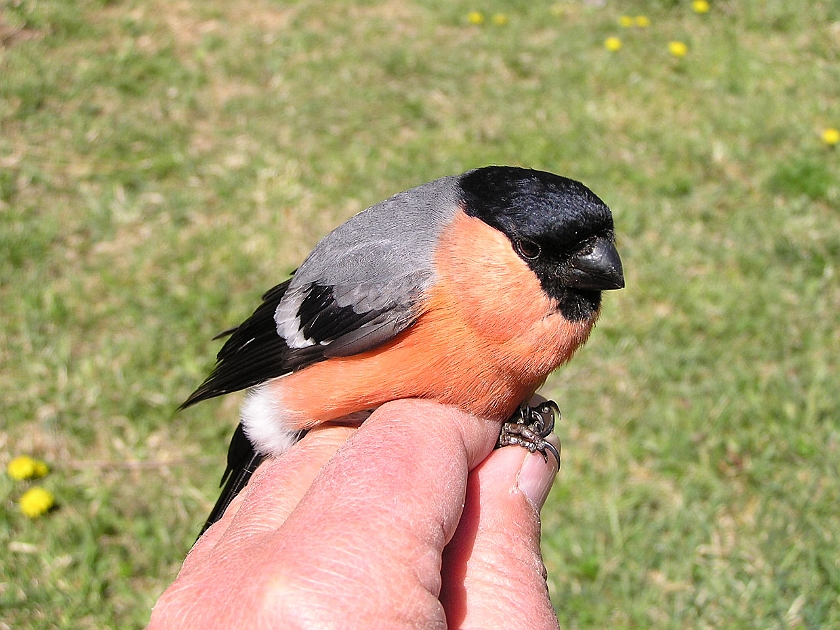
point(162, 163)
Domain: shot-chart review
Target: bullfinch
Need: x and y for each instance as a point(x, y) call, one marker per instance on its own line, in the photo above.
point(469, 290)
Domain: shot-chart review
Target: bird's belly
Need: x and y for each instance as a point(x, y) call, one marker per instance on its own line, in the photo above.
point(437, 358)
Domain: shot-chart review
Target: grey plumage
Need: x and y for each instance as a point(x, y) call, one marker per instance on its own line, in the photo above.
point(378, 264)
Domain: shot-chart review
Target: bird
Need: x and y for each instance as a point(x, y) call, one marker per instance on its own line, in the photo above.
point(469, 290)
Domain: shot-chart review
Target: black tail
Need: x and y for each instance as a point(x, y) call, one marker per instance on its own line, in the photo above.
point(242, 461)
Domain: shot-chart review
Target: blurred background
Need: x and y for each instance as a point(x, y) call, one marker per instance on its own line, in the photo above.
point(162, 163)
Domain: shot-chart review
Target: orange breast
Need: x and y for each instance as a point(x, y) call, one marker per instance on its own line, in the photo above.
point(487, 339)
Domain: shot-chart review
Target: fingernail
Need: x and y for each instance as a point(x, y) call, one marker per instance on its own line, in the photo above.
point(537, 476)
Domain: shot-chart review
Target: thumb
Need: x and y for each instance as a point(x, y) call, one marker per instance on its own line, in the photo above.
point(493, 567)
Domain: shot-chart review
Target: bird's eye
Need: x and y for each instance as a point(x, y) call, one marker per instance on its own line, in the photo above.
point(528, 249)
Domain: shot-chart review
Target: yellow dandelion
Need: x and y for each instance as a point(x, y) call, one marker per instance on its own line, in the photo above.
point(36, 502)
point(625, 21)
point(642, 21)
point(612, 44)
point(25, 467)
point(21, 467)
point(475, 17)
point(500, 19)
point(678, 49)
point(831, 136)
point(700, 6)
point(41, 469)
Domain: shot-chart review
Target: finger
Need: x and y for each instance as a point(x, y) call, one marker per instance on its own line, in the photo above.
point(279, 483)
point(369, 534)
point(493, 565)
point(273, 491)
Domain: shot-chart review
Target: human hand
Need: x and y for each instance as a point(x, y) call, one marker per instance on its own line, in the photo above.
point(410, 521)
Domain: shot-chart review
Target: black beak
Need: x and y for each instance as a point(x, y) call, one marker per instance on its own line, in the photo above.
point(597, 266)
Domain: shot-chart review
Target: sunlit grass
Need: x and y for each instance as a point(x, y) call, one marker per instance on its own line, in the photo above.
point(162, 164)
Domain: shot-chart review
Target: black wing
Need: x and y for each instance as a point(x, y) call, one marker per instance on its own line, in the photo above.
point(254, 353)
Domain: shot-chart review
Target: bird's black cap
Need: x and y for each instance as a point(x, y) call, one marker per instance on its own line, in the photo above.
point(559, 227)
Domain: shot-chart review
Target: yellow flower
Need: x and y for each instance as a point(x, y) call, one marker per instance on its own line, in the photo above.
point(35, 502)
point(700, 6)
point(500, 19)
point(475, 17)
point(25, 467)
point(612, 44)
point(678, 49)
point(625, 21)
point(642, 21)
point(831, 136)
point(41, 469)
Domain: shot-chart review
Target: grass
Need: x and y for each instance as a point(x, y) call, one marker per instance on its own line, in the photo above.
point(161, 164)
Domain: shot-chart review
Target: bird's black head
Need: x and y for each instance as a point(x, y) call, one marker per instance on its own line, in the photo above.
point(559, 227)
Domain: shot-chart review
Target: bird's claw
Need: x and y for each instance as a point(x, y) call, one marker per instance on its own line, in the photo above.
point(529, 426)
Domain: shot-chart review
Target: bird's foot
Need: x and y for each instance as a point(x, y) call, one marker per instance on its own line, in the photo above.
point(529, 426)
